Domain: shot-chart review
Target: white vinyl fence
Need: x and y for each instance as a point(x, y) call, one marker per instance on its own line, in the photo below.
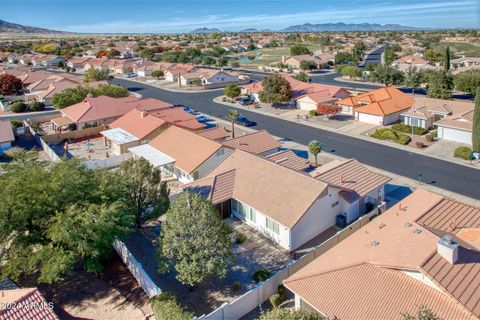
point(136, 269)
point(109, 162)
point(263, 291)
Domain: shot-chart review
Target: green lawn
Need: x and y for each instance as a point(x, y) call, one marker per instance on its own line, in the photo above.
point(460, 48)
point(271, 55)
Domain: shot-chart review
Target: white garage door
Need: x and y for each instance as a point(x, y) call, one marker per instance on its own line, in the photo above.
point(455, 135)
point(369, 118)
point(306, 105)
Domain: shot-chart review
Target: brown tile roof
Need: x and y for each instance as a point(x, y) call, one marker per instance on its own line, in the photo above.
point(425, 107)
point(217, 133)
point(403, 239)
point(137, 123)
point(96, 108)
point(217, 188)
point(350, 175)
point(6, 132)
point(464, 121)
point(187, 148)
point(374, 293)
point(29, 305)
point(282, 194)
point(256, 142)
point(289, 159)
point(382, 101)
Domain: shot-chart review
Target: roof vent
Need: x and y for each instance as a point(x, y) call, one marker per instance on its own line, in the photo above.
point(374, 243)
point(408, 225)
point(448, 249)
point(381, 225)
point(417, 231)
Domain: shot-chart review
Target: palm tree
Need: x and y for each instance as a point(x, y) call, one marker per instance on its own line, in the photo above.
point(315, 147)
point(233, 117)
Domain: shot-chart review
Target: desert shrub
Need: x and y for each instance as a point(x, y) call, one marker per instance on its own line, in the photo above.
point(16, 123)
point(419, 144)
point(313, 113)
point(240, 238)
point(401, 127)
point(276, 300)
point(37, 106)
point(429, 137)
point(434, 134)
point(165, 307)
point(236, 285)
point(18, 107)
point(261, 275)
point(463, 153)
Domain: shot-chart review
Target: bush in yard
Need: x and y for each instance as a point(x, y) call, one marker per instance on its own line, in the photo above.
point(275, 89)
point(276, 300)
point(401, 127)
point(18, 107)
point(157, 73)
point(261, 275)
point(390, 135)
point(434, 134)
point(37, 106)
point(313, 113)
point(429, 137)
point(328, 109)
point(240, 238)
point(236, 285)
point(463, 153)
point(419, 144)
point(16, 123)
point(291, 314)
point(165, 307)
point(109, 90)
point(9, 84)
point(96, 75)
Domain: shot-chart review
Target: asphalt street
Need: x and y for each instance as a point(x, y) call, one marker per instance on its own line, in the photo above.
point(443, 174)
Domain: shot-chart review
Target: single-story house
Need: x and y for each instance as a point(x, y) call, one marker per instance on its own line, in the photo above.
point(425, 112)
point(422, 252)
point(95, 112)
point(24, 303)
point(217, 133)
point(280, 201)
point(411, 61)
point(381, 106)
point(359, 188)
point(456, 128)
point(6, 136)
point(77, 62)
point(465, 62)
point(259, 142)
point(173, 74)
point(294, 62)
point(193, 155)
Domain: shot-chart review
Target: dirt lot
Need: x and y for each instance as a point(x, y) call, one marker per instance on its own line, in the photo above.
point(112, 294)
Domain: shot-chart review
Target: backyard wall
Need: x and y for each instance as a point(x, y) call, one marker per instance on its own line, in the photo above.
point(225, 83)
point(136, 269)
point(109, 162)
point(75, 134)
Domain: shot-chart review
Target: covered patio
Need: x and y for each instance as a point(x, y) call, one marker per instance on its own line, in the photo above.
point(157, 158)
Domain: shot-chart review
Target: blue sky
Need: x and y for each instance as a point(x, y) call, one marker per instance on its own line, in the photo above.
point(183, 16)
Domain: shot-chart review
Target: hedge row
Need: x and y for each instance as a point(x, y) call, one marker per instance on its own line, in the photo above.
point(390, 135)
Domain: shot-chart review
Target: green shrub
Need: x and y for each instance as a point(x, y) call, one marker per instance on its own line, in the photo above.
point(240, 238)
point(157, 73)
point(276, 300)
point(463, 153)
point(18, 107)
point(434, 134)
point(261, 275)
point(313, 113)
point(37, 106)
point(236, 286)
point(16, 123)
point(389, 135)
point(409, 129)
point(165, 307)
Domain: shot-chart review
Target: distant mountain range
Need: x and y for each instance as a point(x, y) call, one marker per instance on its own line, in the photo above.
point(340, 26)
point(205, 30)
point(8, 27)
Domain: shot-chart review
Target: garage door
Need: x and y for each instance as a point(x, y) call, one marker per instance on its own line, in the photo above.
point(369, 118)
point(307, 105)
point(455, 135)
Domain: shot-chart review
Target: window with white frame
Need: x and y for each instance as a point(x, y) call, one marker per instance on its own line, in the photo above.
point(272, 225)
point(252, 214)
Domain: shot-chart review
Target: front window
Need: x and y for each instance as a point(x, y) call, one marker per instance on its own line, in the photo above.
point(272, 225)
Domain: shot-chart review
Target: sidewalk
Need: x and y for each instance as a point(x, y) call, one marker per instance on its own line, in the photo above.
point(355, 129)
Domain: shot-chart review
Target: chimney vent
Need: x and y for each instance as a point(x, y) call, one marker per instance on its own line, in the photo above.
point(448, 249)
point(143, 114)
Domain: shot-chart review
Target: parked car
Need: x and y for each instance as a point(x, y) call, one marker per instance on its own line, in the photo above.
point(131, 75)
point(242, 120)
point(245, 101)
point(203, 118)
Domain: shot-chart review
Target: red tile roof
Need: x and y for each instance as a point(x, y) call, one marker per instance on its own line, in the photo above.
point(25, 304)
point(138, 123)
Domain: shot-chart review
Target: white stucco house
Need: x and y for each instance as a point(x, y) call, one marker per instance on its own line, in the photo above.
point(286, 205)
